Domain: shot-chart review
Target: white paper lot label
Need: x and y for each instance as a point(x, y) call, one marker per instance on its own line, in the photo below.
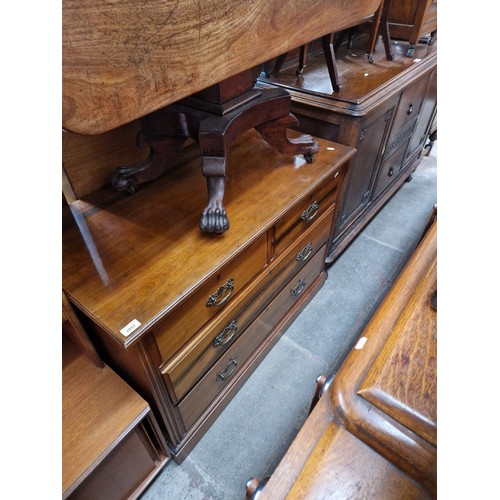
point(133, 325)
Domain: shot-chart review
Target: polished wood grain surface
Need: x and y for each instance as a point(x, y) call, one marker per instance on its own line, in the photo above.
point(362, 82)
point(402, 380)
point(108, 237)
point(365, 443)
point(122, 60)
point(399, 442)
point(98, 409)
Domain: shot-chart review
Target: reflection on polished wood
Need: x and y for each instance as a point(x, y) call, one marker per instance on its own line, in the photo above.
point(373, 433)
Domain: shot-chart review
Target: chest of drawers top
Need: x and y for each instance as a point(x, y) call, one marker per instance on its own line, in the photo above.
point(136, 259)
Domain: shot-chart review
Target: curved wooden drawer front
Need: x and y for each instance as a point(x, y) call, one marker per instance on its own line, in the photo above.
point(180, 326)
point(302, 216)
point(226, 369)
point(186, 368)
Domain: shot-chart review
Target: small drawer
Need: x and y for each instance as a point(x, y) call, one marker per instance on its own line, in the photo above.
point(230, 364)
point(305, 213)
point(190, 364)
point(409, 105)
point(220, 290)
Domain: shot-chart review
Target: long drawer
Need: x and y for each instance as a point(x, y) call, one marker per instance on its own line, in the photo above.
point(217, 293)
point(216, 379)
point(191, 363)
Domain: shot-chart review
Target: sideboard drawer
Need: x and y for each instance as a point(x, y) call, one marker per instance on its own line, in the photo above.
point(218, 291)
point(200, 397)
point(409, 104)
point(297, 220)
point(186, 368)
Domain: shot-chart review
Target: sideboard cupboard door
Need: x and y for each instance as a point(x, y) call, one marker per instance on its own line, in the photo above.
point(425, 118)
point(371, 135)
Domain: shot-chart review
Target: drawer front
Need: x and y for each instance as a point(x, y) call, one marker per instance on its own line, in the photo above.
point(219, 291)
point(390, 168)
point(185, 369)
point(298, 219)
point(409, 104)
point(227, 368)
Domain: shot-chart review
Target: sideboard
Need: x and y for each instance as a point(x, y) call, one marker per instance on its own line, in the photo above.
point(384, 109)
point(184, 317)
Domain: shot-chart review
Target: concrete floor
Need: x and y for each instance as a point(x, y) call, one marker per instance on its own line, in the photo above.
point(254, 431)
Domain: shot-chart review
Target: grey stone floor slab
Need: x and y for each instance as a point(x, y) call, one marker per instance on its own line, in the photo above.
point(254, 431)
point(262, 419)
point(358, 277)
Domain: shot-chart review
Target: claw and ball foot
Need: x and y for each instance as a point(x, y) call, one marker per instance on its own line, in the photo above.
point(214, 218)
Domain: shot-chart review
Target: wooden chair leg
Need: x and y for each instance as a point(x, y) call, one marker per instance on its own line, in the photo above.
point(278, 64)
point(302, 59)
point(326, 42)
point(384, 29)
point(372, 40)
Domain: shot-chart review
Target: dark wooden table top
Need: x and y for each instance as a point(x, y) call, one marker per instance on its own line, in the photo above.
point(122, 60)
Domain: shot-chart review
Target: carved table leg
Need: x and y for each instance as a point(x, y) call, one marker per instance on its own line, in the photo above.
point(214, 218)
point(269, 115)
point(162, 153)
point(166, 131)
point(274, 132)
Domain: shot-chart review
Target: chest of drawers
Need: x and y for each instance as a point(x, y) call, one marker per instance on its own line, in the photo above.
point(183, 316)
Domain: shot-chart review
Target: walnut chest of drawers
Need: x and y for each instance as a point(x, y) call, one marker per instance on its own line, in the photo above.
point(184, 316)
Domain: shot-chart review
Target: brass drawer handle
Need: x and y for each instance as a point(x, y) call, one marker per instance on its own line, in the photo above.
point(226, 335)
point(304, 253)
point(298, 288)
point(310, 212)
point(223, 293)
point(228, 370)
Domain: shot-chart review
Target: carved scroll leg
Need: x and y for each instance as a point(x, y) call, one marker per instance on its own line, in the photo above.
point(214, 218)
point(274, 133)
point(163, 150)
